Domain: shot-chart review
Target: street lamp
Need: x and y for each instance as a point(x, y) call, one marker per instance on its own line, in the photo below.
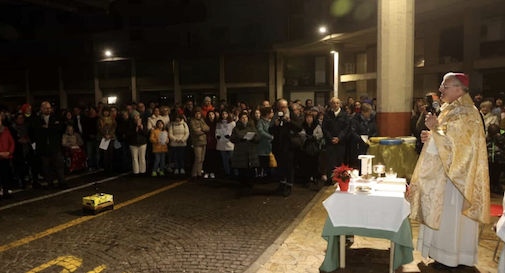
point(322, 30)
point(108, 53)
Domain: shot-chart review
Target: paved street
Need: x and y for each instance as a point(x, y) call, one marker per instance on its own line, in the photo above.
point(208, 226)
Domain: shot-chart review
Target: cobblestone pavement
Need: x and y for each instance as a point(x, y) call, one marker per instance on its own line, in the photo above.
point(207, 226)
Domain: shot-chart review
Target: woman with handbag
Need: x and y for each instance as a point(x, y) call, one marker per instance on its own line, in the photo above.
point(311, 134)
point(265, 144)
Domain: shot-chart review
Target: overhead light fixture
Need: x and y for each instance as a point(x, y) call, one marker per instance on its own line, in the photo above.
point(322, 30)
point(111, 100)
point(108, 53)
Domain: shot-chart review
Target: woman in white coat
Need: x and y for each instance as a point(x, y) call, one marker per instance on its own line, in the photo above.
point(224, 129)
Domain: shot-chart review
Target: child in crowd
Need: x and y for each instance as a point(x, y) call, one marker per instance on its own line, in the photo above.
point(159, 138)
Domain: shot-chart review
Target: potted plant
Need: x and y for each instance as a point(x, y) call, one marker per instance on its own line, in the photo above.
point(342, 176)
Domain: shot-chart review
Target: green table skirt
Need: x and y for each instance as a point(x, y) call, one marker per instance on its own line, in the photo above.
point(402, 158)
point(404, 246)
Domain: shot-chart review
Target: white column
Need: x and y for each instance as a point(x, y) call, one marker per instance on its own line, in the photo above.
point(63, 94)
point(471, 48)
point(279, 71)
point(177, 85)
point(98, 91)
point(271, 77)
point(395, 67)
point(135, 94)
point(336, 73)
point(223, 95)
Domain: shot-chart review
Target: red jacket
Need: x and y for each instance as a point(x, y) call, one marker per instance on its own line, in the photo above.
point(7, 143)
point(206, 109)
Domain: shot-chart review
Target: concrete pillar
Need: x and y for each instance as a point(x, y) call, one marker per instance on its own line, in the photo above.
point(271, 77)
point(28, 94)
point(395, 67)
point(63, 94)
point(98, 91)
point(223, 94)
point(177, 85)
point(135, 93)
point(279, 72)
point(471, 48)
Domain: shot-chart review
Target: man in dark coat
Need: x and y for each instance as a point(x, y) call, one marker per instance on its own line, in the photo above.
point(336, 126)
point(47, 134)
point(285, 130)
point(361, 125)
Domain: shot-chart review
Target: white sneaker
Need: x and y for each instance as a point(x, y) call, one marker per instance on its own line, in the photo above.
point(176, 171)
point(206, 176)
point(182, 171)
point(212, 176)
point(170, 170)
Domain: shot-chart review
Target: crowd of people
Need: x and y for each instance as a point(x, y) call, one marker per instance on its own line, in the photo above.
point(272, 141)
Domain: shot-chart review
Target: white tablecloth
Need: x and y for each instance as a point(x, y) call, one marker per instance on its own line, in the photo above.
point(376, 210)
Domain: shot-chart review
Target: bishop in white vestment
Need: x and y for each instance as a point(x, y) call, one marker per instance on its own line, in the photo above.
point(450, 186)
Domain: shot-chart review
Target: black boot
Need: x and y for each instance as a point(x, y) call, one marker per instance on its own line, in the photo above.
point(287, 191)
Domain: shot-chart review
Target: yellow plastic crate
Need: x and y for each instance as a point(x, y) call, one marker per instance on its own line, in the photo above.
point(97, 203)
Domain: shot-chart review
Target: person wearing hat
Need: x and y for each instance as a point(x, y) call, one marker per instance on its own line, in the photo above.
point(207, 106)
point(449, 190)
point(314, 111)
